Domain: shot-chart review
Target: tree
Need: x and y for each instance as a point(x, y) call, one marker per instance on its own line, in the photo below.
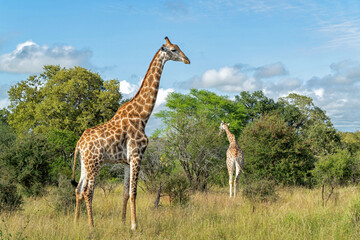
point(274, 151)
point(197, 146)
point(256, 104)
point(192, 133)
point(311, 123)
point(351, 141)
point(67, 99)
point(335, 169)
point(206, 104)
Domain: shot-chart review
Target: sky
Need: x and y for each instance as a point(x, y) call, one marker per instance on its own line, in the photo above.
point(278, 46)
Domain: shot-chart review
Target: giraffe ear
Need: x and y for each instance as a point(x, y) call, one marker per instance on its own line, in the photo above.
point(228, 124)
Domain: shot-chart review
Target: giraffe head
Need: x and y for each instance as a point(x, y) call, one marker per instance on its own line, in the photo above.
point(173, 52)
point(222, 126)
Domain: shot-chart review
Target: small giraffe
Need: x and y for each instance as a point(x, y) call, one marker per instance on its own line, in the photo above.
point(122, 139)
point(234, 158)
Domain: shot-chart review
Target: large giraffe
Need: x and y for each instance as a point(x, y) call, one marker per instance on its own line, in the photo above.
point(122, 139)
point(234, 158)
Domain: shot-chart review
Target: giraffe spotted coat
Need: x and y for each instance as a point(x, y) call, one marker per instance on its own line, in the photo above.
point(234, 159)
point(122, 139)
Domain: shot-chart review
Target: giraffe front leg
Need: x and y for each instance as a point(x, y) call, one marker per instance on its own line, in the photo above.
point(125, 191)
point(134, 173)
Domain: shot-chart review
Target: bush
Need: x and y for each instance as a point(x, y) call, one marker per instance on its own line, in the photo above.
point(337, 168)
point(177, 188)
point(259, 190)
point(63, 198)
point(108, 178)
point(273, 150)
point(10, 199)
point(29, 157)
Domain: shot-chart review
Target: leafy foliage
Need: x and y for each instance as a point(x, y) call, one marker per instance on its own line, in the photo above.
point(256, 104)
point(197, 146)
point(310, 122)
point(191, 132)
point(10, 199)
point(28, 158)
point(337, 168)
point(62, 143)
point(274, 151)
point(68, 99)
point(178, 189)
point(204, 104)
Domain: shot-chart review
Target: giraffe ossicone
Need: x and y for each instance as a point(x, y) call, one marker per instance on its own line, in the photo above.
point(234, 159)
point(122, 139)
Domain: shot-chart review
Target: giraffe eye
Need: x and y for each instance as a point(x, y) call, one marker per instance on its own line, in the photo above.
point(173, 50)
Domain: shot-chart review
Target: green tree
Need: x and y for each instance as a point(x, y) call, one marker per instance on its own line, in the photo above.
point(274, 151)
point(335, 169)
point(256, 104)
point(62, 144)
point(311, 123)
point(351, 141)
point(192, 133)
point(67, 99)
point(205, 104)
point(197, 146)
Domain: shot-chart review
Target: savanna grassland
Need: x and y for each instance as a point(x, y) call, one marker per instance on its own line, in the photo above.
point(297, 214)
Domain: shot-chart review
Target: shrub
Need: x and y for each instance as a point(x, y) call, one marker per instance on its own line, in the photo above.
point(108, 178)
point(63, 198)
point(259, 191)
point(29, 157)
point(10, 199)
point(332, 170)
point(177, 188)
point(274, 151)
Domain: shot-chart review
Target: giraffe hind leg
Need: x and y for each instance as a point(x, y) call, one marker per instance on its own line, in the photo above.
point(237, 177)
point(125, 191)
point(88, 195)
point(230, 166)
point(79, 191)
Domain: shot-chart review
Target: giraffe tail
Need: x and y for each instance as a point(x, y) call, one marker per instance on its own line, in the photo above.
point(73, 182)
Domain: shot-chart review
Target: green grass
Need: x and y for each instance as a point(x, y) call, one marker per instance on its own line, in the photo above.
point(298, 214)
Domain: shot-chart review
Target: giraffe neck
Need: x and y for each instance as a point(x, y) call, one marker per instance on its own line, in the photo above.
point(231, 137)
point(144, 100)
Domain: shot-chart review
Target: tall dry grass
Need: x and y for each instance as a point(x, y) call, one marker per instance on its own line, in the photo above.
point(298, 214)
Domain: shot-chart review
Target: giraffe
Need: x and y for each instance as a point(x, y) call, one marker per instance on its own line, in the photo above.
point(234, 158)
point(122, 139)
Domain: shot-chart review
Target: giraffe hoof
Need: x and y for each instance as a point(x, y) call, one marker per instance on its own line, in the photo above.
point(133, 226)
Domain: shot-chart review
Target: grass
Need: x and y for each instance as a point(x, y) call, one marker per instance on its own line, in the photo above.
point(298, 214)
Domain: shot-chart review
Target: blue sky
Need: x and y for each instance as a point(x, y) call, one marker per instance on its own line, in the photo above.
point(308, 47)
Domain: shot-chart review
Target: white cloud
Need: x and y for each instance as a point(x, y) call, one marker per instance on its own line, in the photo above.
point(127, 88)
point(227, 79)
point(319, 92)
point(29, 57)
point(271, 70)
point(161, 97)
